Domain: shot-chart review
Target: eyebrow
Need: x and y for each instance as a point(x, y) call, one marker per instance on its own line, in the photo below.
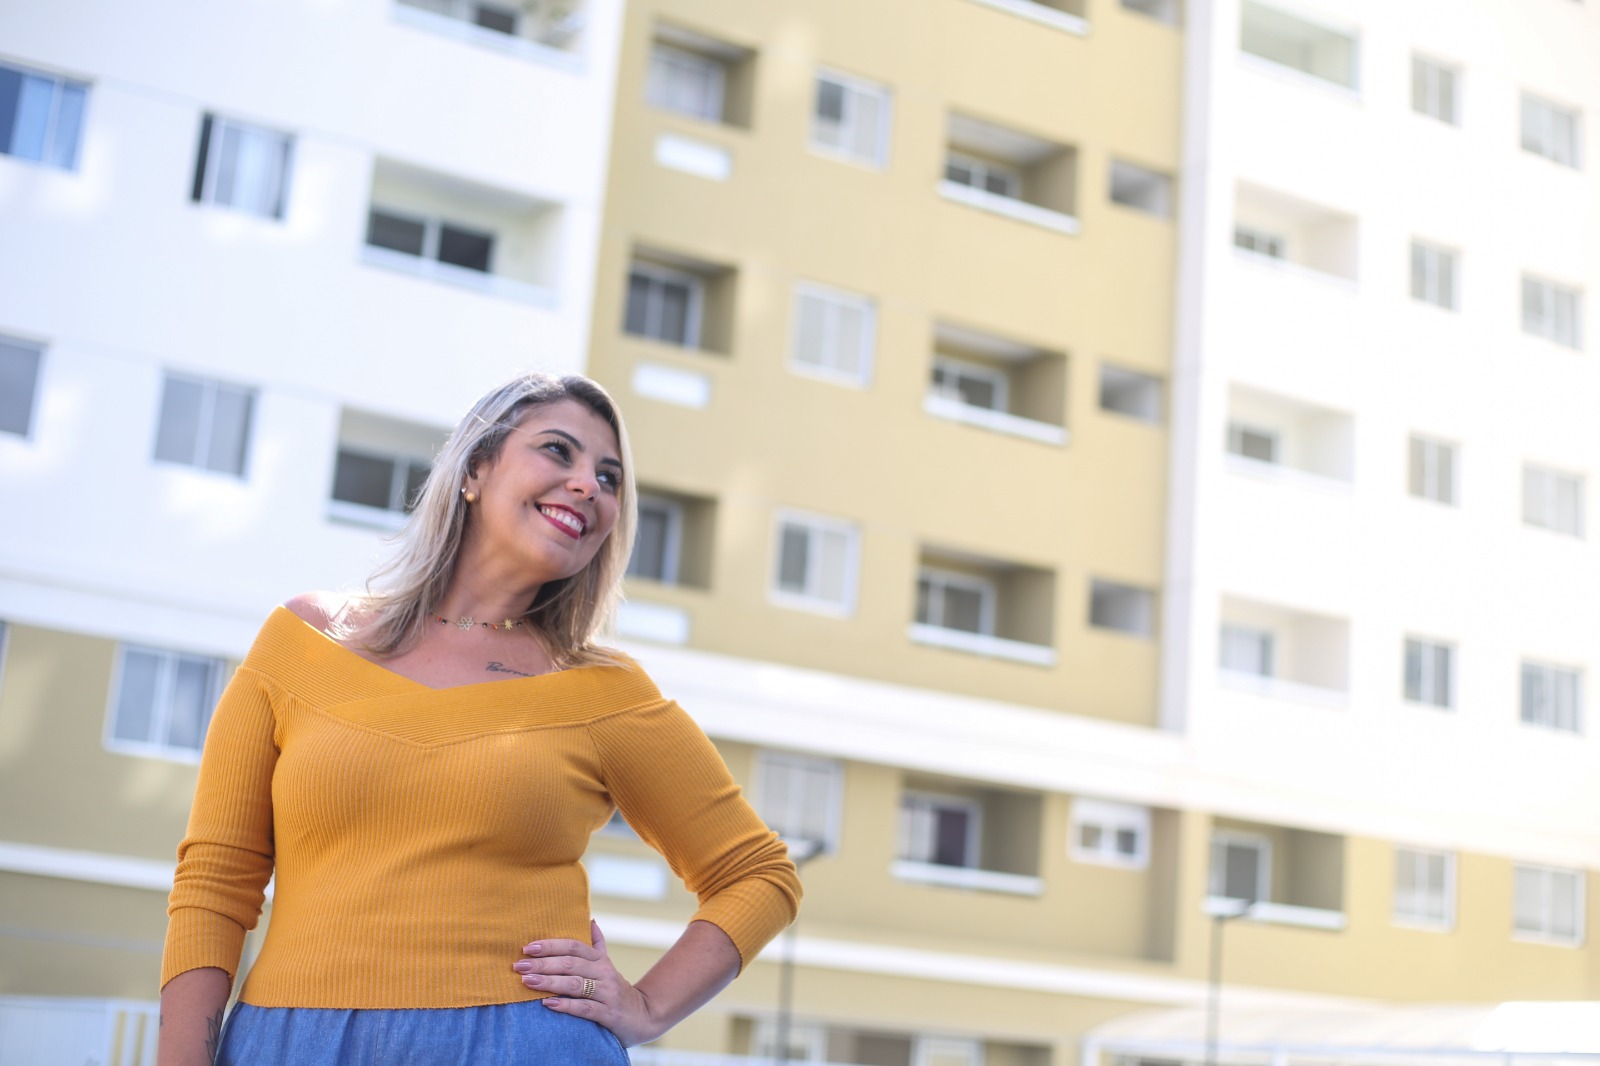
point(578, 444)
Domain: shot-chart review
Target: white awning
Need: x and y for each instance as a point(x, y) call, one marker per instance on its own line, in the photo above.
point(1559, 1032)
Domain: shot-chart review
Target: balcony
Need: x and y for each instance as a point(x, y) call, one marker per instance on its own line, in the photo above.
point(40, 1029)
point(1010, 173)
point(379, 468)
point(1284, 654)
point(985, 607)
point(1288, 441)
point(993, 383)
point(1064, 15)
point(549, 33)
point(1276, 874)
point(1276, 230)
point(1320, 54)
point(962, 835)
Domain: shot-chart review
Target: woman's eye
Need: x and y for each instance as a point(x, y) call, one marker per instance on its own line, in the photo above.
point(611, 478)
point(559, 449)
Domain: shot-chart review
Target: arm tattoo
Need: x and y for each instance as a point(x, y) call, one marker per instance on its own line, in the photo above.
point(502, 668)
point(213, 1035)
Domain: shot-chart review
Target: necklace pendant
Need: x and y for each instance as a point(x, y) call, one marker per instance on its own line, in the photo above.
point(464, 622)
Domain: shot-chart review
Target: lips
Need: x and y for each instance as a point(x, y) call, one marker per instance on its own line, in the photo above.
point(565, 519)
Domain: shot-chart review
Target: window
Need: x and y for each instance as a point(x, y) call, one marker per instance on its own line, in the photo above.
point(800, 797)
point(499, 18)
point(1251, 239)
point(1433, 275)
point(1123, 608)
point(833, 333)
point(1552, 500)
point(1550, 130)
point(1549, 903)
point(19, 385)
point(204, 424)
point(431, 238)
point(1430, 672)
point(1552, 697)
point(944, 1051)
point(1110, 834)
point(1241, 866)
point(382, 482)
point(955, 601)
point(972, 384)
point(1424, 888)
point(162, 702)
point(983, 174)
point(664, 304)
point(1162, 10)
point(1252, 442)
point(686, 82)
point(1128, 392)
point(1142, 189)
point(851, 118)
point(1431, 470)
point(1434, 90)
point(41, 116)
point(659, 544)
point(1551, 311)
point(243, 167)
point(1245, 650)
point(1288, 41)
point(943, 830)
point(816, 564)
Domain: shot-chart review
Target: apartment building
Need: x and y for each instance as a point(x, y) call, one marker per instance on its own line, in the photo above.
point(257, 259)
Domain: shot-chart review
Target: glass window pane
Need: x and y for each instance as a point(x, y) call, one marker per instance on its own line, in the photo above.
point(136, 696)
point(978, 391)
point(793, 555)
point(1127, 842)
point(178, 432)
point(34, 104)
point(10, 91)
point(63, 150)
point(650, 547)
point(833, 562)
point(849, 335)
point(498, 19)
point(811, 330)
point(1243, 864)
point(830, 101)
point(395, 233)
point(1413, 670)
point(362, 479)
point(636, 318)
point(866, 121)
point(19, 382)
point(189, 708)
point(951, 826)
point(465, 248)
point(230, 431)
point(1529, 902)
point(416, 478)
point(963, 609)
point(1563, 905)
point(673, 307)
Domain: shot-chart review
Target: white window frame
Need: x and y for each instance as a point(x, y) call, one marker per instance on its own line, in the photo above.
point(908, 849)
point(1110, 818)
point(812, 1040)
point(998, 379)
point(939, 580)
point(666, 61)
point(1425, 451)
point(161, 713)
point(284, 165)
point(1544, 316)
point(926, 1048)
point(52, 156)
point(1551, 714)
point(858, 87)
point(198, 460)
point(773, 768)
point(1233, 632)
point(1541, 499)
point(1427, 75)
point(1551, 130)
point(673, 546)
point(1254, 241)
point(432, 232)
point(31, 418)
point(1406, 911)
point(834, 301)
point(1428, 684)
point(392, 516)
point(1547, 876)
point(981, 170)
point(815, 526)
point(668, 276)
point(1433, 265)
point(1237, 432)
point(1216, 873)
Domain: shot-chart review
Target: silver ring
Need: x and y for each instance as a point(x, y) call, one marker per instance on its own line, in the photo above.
point(589, 987)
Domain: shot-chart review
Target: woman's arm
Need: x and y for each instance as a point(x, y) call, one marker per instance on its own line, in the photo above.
point(191, 1017)
point(692, 971)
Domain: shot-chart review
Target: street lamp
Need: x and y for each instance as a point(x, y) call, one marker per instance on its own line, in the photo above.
point(1241, 909)
point(801, 851)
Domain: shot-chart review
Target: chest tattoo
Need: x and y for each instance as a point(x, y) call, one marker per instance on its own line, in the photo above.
point(502, 668)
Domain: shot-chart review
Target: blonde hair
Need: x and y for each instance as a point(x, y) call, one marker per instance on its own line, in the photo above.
point(566, 614)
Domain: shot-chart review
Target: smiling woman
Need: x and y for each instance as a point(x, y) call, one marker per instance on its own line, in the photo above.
point(420, 767)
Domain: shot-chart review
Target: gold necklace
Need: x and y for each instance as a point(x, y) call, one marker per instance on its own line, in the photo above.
point(466, 621)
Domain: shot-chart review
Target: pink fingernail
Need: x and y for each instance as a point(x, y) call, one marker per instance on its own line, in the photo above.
point(534, 949)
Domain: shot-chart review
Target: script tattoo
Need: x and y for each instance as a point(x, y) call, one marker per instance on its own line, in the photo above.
point(502, 668)
point(213, 1035)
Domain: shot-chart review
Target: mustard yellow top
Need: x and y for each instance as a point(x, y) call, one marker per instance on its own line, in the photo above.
point(420, 837)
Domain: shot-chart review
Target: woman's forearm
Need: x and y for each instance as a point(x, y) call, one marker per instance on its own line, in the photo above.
point(693, 970)
point(191, 1017)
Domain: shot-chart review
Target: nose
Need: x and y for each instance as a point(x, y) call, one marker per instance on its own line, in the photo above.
point(584, 484)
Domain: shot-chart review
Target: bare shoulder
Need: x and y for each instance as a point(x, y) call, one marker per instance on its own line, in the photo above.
point(318, 609)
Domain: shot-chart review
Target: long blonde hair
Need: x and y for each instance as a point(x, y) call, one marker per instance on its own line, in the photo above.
point(566, 614)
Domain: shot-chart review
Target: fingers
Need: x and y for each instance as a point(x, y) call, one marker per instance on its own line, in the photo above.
point(597, 936)
point(553, 948)
point(572, 986)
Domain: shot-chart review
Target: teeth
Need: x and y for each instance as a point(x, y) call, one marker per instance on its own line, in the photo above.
point(566, 518)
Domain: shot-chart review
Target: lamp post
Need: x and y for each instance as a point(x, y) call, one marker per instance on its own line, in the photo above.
point(801, 851)
point(1219, 918)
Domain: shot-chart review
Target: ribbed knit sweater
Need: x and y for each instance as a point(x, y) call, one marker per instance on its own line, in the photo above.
point(421, 837)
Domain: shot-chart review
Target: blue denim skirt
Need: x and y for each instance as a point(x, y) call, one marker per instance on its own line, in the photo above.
point(504, 1034)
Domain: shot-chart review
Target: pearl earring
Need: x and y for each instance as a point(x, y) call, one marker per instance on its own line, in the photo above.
point(470, 497)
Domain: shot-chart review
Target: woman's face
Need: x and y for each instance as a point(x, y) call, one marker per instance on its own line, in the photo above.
point(551, 496)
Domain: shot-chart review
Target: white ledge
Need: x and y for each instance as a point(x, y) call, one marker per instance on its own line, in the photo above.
point(999, 421)
point(931, 873)
point(1275, 913)
point(1296, 76)
point(1278, 688)
point(980, 644)
point(1009, 206)
point(691, 156)
point(477, 281)
point(1047, 16)
point(1288, 475)
point(1295, 270)
point(504, 43)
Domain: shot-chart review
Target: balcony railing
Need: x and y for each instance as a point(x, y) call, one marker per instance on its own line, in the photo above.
point(46, 1031)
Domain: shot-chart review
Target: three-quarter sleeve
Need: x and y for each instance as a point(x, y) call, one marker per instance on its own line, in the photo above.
point(674, 789)
point(225, 860)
